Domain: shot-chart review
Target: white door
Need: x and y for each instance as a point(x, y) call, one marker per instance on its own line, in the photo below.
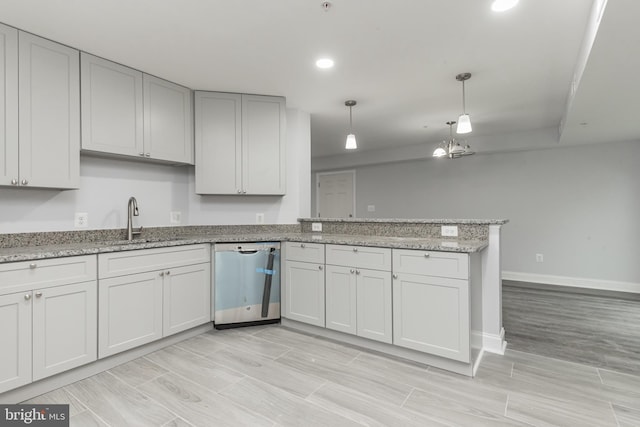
point(335, 195)
point(305, 292)
point(218, 143)
point(112, 107)
point(8, 106)
point(341, 299)
point(374, 305)
point(15, 336)
point(49, 122)
point(186, 298)
point(65, 328)
point(168, 122)
point(129, 312)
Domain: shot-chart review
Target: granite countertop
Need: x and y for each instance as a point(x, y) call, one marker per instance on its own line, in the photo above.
point(27, 253)
point(409, 221)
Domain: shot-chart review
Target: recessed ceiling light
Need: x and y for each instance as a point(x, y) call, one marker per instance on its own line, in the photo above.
point(503, 5)
point(324, 63)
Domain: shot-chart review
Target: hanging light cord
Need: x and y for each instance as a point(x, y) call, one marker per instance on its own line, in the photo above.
point(464, 104)
point(350, 120)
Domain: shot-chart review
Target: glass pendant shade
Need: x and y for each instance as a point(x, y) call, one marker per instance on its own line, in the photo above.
point(351, 142)
point(439, 152)
point(464, 124)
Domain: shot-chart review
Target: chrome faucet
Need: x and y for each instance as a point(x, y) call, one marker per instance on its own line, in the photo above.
point(132, 209)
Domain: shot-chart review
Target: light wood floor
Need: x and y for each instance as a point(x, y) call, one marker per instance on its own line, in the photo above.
point(276, 377)
point(599, 329)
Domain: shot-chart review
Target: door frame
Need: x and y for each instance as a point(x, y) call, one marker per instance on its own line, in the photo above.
point(319, 174)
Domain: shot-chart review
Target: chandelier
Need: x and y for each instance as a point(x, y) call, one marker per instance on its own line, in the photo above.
point(452, 148)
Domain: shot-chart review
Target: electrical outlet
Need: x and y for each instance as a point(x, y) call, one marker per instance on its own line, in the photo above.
point(539, 258)
point(449, 230)
point(81, 220)
point(259, 218)
point(371, 208)
point(316, 226)
point(175, 217)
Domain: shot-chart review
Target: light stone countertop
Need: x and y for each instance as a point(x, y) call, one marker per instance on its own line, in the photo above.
point(408, 221)
point(28, 253)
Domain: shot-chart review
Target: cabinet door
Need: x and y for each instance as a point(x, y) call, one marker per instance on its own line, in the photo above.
point(341, 299)
point(305, 292)
point(218, 143)
point(431, 314)
point(374, 305)
point(112, 108)
point(49, 122)
point(168, 122)
point(65, 328)
point(263, 144)
point(186, 298)
point(8, 105)
point(129, 312)
point(15, 336)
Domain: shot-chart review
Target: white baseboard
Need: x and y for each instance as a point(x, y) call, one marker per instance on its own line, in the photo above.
point(575, 282)
point(490, 342)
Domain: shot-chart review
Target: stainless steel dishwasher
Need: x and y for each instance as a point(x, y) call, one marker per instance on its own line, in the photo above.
point(246, 284)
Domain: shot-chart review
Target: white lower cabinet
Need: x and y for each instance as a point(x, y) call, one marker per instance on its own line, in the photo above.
point(358, 300)
point(186, 298)
point(141, 302)
point(303, 283)
point(130, 312)
point(65, 328)
point(48, 316)
point(305, 292)
point(431, 311)
point(15, 335)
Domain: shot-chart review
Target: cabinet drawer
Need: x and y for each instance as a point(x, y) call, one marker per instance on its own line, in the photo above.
point(431, 263)
point(305, 252)
point(130, 262)
point(359, 257)
point(44, 273)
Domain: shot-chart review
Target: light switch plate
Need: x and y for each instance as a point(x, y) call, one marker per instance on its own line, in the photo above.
point(316, 226)
point(371, 208)
point(260, 218)
point(449, 230)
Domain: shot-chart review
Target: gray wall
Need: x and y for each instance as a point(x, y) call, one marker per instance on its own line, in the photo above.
point(578, 206)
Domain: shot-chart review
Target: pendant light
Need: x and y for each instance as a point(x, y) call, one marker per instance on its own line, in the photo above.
point(351, 138)
point(464, 122)
point(452, 148)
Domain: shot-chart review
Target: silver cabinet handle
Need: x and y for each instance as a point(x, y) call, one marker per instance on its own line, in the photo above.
point(141, 154)
point(25, 182)
point(168, 272)
point(162, 274)
point(357, 271)
point(395, 276)
point(33, 265)
point(302, 245)
point(355, 249)
point(319, 267)
point(426, 255)
point(14, 182)
point(38, 294)
point(239, 191)
point(148, 155)
point(352, 271)
point(244, 191)
point(27, 297)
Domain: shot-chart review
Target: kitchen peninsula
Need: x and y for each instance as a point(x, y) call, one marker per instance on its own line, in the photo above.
point(410, 259)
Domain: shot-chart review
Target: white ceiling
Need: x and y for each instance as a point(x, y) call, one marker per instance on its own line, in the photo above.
point(397, 58)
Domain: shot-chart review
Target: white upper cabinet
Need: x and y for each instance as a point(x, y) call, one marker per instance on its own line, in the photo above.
point(128, 113)
point(168, 120)
point(112, 109)
point(9, 105)
point(240, 144)
point(218, 142)
point(40, 112)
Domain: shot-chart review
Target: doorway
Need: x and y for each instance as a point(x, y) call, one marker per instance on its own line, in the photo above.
point(335, 196)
